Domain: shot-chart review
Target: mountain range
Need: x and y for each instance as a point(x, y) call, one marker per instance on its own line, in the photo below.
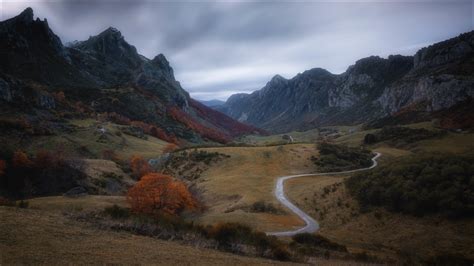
point(437, 82)
point(44, 81)
point(212, 103)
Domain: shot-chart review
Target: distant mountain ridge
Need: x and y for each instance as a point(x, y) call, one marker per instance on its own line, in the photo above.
point(102, 75)
point(212, 103)
point(436, 78)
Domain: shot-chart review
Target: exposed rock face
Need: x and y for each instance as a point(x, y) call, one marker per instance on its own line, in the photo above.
point(104, 73)
point(436, 78)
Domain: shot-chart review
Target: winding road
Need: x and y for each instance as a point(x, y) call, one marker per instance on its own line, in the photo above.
point(311, 224)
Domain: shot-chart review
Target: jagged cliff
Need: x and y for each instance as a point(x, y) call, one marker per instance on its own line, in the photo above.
point(436, 78)
point(104, 74)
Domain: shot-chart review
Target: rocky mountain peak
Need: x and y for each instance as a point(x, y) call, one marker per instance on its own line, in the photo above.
point(25, 16)
point(109, 42)
point(277, 78)
point(162, 63)
point(30, 44)
point(315, 72)
point(445, 52)
point(112, 33)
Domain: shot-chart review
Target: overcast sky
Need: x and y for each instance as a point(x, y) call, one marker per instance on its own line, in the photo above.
point(221, 48)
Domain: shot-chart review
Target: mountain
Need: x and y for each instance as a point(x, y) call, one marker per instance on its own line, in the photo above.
point(373, 89)
point(102, 76)
point(213, 103)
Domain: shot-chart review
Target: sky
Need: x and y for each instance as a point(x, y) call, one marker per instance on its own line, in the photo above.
point(219, 48)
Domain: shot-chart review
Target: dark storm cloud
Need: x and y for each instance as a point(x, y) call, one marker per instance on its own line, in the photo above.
point(219, 48)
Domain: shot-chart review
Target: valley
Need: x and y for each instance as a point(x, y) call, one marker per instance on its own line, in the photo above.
point(106, 158)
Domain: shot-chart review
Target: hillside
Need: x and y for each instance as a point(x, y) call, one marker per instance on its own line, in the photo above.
point(405, 88)
point(35, 236)
point(43, 82)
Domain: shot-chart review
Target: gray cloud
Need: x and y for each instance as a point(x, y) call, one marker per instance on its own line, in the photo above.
point(219, 48)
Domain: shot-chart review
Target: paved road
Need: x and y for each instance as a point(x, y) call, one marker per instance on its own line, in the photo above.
point(311, 224)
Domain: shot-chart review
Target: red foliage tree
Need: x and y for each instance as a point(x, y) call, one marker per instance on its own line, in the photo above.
point(206, 132)
point(220, 120)
point(21, 160)
point(158, 194)
point(139, 166)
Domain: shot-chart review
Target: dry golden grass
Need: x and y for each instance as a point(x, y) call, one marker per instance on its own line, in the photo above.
point(84, 141)
point(378, 232)
point(37, 237)
point(249, 175)
point(84, 203)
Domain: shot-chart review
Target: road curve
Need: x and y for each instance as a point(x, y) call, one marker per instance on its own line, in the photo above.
point(311, 224)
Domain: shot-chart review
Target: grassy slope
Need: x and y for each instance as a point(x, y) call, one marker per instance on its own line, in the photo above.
point(305, 136)
point(37, 237)
point(378, 231)
point(249, 175)
point(86, 137)
point(361, 232)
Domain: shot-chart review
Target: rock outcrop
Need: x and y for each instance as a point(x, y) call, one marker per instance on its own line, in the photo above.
point(103, 74)
point(436, 78)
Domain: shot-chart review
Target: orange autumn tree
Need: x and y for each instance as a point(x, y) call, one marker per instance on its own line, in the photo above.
point(139, 166)
point(158, 194)
point(21, 160)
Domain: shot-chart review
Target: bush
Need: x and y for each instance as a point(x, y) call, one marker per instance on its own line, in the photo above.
point(318, 241)
point(117, 212)
point(340, 158)
point(233, 236)
point(230, 235)
point(156, 194)
point(419, 185)
point(261, 206)
point(47, 173)
point(281, 253)
point(23, 204)
point(139, 166)
point(401, 136)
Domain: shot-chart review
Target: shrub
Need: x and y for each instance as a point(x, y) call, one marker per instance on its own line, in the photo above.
point(318, 241)
point(117, 212)
point(419, 185)
point(230, 235)
point(21, 160)
point(156, 193)
point(23, 204)
point(139, 166)
point(340, 158)
point(45, 174)
point(281, 253)
point(401, 136)
point(261, 206)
